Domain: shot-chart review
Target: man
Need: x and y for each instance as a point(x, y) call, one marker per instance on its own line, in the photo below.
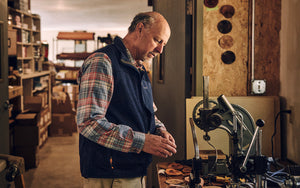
point(118, 129)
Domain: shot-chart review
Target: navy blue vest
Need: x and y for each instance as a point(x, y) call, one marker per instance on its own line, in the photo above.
point(132, 105)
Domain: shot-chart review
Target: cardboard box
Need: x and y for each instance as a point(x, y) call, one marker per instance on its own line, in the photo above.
point(26, 136)
point(43, 137)
point(44, 96)
point(28, 119)
point(30, 155)
point(58, 88)
point(46, 115)
point(69, 75)
point(34, 103)
point(62, 124)
point(61, 103)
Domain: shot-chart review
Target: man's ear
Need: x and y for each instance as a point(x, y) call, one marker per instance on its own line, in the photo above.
point(139, 27)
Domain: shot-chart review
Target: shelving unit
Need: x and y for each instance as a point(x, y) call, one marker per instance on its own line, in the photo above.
point(25, 29)
point(79, 52)
point(28, 43)
point(67, 73)
point(30, 88)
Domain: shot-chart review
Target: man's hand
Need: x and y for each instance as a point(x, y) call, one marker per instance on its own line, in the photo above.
point(167, 135)
point(162, 146)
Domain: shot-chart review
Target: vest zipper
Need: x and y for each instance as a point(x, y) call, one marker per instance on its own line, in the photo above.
point(130, 64)
point(111, 162)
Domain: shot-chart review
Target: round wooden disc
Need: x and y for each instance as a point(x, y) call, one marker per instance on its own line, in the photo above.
point(174, 181)
point(226, 42)
point(227, 11)
point(175, 166)
point(224, 26)
point(211, 3)
point(173, 172)
point(228, 57)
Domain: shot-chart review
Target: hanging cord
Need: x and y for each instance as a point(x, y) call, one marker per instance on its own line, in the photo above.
point(216, 155)
point(278, 114)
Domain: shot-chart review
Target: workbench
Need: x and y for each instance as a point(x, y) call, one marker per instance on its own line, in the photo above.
point(160, 167)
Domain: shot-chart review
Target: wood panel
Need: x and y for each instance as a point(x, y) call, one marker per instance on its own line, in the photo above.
point(267, 44)
point(227, 79)
point(235, 79)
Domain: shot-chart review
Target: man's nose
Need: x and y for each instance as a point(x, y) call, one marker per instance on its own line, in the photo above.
point(159, 48)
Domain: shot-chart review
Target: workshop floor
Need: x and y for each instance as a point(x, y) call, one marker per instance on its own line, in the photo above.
point(58, 166)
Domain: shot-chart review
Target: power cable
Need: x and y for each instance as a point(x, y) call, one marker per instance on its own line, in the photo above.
point(278, 114)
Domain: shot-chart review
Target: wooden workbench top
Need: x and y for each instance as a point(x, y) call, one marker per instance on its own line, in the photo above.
point(163, 177)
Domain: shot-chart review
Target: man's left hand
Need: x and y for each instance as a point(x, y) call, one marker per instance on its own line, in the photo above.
point(167, 135)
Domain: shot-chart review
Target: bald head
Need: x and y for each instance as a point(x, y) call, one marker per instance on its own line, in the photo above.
point(147, 35)
point(148, 19)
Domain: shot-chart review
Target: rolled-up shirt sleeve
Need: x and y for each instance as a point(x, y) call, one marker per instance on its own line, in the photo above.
point(158, 124)
point(96, 82)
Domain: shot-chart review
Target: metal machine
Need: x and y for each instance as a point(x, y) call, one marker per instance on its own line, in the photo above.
point(244, 162)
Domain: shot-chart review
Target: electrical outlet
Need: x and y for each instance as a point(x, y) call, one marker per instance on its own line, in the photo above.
point(291, 115)
point(258, 86)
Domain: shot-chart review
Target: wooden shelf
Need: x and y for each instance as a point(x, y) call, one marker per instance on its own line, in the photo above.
point(75, 35)
point(58, 68)
point(24, 43)
point(66, 79)
point(34, 74)
point(73, 56)
point(24, 58)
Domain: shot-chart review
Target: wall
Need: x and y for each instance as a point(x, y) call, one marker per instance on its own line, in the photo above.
point(169, 96)
point(267, 44)
point(290, 76)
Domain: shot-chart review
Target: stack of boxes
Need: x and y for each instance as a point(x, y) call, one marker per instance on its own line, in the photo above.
point(26, 139)
point(73, 92)
point(63, 110)
point(67, 74)
point(31, 128)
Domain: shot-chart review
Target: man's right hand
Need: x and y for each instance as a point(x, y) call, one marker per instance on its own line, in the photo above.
point(159, 146)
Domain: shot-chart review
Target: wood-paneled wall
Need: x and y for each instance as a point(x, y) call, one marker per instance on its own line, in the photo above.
point(267, 44)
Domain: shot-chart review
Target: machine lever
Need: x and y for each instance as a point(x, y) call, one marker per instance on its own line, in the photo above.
point(197, 153)
point(259, 123)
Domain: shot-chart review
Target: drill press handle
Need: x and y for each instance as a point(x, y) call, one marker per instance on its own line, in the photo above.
point(259, 123)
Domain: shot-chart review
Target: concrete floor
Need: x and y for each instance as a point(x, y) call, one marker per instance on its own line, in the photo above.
point(58, 165)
